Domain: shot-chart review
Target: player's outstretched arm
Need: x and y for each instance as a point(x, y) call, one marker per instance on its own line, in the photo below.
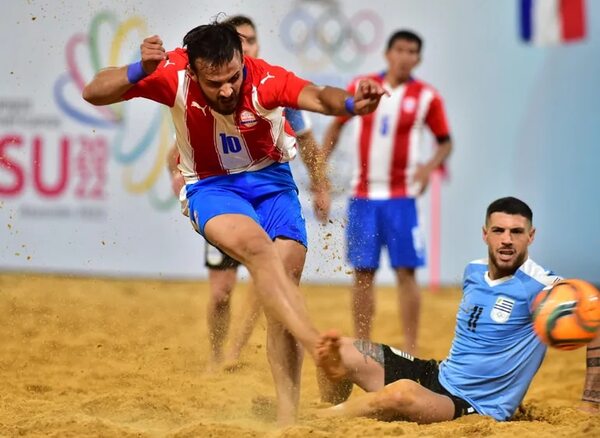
point(337, 102)
point(107, 87)
point(109, 84)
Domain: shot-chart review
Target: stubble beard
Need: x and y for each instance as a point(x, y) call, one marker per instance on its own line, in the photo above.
point(220, 108)
point(504, 270)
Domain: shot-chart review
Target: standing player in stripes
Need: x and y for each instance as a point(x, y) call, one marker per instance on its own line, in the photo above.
point(390, 176)
point(235, 147)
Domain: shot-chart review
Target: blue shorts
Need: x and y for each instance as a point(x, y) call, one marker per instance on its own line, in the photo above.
point(269, 196)
point(393, 223)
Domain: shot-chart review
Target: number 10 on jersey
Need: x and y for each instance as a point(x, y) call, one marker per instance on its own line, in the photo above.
point(230, 143)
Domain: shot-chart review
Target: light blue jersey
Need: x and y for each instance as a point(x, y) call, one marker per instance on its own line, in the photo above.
point(495, 352)
point(298, 120)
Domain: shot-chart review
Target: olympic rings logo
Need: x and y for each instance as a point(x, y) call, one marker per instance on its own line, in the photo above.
point(340, 39)
point(115, 116)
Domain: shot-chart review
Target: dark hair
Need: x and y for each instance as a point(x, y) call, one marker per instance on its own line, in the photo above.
point(509, 205)
point(240, 20)
point(407, 35)
point(216, 43)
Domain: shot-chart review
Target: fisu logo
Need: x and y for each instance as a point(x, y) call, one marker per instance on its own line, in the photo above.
point(230, 143)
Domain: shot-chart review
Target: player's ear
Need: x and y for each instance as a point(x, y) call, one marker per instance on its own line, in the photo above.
point(484, 233)
point(191, 73)
point(531, 235)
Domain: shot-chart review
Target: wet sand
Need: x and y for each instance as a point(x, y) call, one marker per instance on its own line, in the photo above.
point(82, 357)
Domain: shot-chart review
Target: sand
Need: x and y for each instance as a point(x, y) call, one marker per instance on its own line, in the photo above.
point(83, 357)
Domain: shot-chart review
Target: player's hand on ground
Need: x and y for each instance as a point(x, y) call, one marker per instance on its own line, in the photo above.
point(177, 182)
point(153, 53)
point(367, 96)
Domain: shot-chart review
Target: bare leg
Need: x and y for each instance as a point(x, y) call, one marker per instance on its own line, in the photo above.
point(249, 317)
point(272, 267)
point(591, 389)
point(285, 358)
point(363, 303)
point(243, 239)
point(285, 354)
point(361, 362)
point(403, 399)
point(222, 283)
point(409, 300)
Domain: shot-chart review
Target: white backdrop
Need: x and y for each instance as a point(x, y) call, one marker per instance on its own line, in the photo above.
point(85, 190)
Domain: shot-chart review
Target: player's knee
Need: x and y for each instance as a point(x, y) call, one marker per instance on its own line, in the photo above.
point(221, 296)
point(221, 287)
point(398, 396)
point(295, 273)
point(258, 248)
point(405, 275)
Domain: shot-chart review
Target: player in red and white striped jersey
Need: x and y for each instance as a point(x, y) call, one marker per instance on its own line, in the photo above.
point(234, 146)
point(389, 176)
point(222, 269)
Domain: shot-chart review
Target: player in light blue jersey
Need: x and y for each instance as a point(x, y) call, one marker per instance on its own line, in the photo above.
point(494, 355)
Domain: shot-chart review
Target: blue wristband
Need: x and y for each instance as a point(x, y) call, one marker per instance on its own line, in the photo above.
point(349, 105)
point(135, 72)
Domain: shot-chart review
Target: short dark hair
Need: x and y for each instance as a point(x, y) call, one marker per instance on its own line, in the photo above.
point(240, 20)
point(216, 43)
point(509, 205)
point(407, 35)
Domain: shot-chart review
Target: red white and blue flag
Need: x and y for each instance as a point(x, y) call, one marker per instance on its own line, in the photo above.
point(551, 22)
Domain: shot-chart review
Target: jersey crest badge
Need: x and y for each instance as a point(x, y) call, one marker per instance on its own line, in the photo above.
point(409, 105)
point(247, 119)
point(502, 309)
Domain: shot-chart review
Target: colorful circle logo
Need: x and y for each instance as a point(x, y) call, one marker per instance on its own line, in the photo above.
point(115, 117)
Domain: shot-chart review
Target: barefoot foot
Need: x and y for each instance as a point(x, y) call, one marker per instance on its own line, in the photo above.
point(328, 356)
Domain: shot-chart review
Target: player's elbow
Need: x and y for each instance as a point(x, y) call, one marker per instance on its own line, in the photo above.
point(444, 145)
point(444, 141)
point(91, 95)
point(449, 148)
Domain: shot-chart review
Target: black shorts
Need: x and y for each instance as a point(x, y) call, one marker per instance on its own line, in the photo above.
point(425, 372)
point(214, 258)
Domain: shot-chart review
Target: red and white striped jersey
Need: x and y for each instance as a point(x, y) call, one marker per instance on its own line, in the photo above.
point(253, 137)
point(389, 140)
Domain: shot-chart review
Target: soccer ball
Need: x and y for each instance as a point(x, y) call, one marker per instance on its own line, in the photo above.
point(568, 315)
